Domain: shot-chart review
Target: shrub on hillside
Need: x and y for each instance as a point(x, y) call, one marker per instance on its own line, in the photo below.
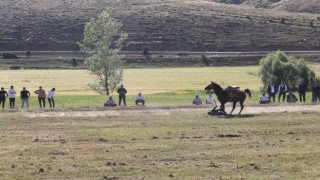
point(205, 60)
point(278, 66)
point(28, 53)
point(145, 51)
point(74, 62)
point(9, 56)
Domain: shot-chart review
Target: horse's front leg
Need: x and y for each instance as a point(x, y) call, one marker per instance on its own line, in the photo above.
point(222, 107)
point(233, 107)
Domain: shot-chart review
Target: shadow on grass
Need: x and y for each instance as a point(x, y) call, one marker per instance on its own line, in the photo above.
point(231, 116)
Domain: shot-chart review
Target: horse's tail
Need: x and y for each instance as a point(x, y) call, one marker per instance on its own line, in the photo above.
point(248, 92)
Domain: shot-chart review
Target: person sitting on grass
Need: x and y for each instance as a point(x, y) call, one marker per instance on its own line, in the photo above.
point(197, 100)
point(110, 102)
point(140, 99)
point(291, 98)
point(210, 100)
point(264, 99)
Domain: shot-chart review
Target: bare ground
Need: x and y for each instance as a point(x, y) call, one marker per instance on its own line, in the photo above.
point(166, 110)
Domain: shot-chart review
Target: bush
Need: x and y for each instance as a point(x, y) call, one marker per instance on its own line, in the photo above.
point(28, 53)
point(15, 67)
point(277, 67)
point(9, 56)
point(145, 51)
point(205, 60)
point(74, 62)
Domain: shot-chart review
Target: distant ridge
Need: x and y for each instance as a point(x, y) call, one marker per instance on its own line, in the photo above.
point(164, 25)
point(307, 6)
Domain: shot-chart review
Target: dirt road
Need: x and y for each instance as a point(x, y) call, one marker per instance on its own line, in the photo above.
point(167, 110)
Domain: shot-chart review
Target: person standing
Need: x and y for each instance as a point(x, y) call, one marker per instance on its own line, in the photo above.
point(315, 92)
point(41, 96)
point(122, 95)
point(12, 97)
point(3, 96)
point(24, 94)
point(302, 89)
point(282, 91)
point(51, 94)
point(272, 91)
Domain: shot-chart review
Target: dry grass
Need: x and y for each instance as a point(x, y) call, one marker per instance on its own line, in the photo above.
point(193, 146)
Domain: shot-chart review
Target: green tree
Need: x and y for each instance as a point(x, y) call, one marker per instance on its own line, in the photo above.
point(278, 66)
point(102, 41)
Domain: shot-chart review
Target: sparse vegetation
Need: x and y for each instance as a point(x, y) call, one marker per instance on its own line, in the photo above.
point(28, 53)
point(160, 25)
point(6, 55)
point(74, 62)
point(205, 60)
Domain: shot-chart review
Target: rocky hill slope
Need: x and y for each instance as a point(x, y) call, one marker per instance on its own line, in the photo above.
point(171, 25)
point(308, 6)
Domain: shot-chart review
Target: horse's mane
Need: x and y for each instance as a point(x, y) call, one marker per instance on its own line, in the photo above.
point(215, 84)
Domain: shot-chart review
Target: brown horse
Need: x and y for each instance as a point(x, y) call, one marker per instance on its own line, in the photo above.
point(224, 96)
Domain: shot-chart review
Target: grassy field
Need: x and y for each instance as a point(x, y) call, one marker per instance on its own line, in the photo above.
point(177, 146)
point(167, 86)
point(148, 81)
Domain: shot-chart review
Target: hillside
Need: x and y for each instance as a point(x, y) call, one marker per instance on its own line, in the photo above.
point(190, 25)
point(309, 6)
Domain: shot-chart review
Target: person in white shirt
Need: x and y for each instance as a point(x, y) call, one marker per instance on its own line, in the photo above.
point(272, 91)
point(110, 102)
point(51, 94)
point(140, 99)
point(263, 99)
point(282, 91)
point(210, 100)
point(12, 97)
point(197, 100)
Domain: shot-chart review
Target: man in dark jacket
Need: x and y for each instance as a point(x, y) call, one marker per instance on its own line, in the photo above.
point(302, 89)
point(122, 95)
point(3, 96)
point(282, 91)
point(272, 91)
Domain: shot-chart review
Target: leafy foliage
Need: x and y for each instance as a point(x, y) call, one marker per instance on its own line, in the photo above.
point(278, 66)
point(102, 41)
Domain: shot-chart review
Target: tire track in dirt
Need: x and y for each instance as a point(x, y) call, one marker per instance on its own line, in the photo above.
point(169, 110)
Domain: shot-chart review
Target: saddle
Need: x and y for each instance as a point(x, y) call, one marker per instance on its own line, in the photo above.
point(232, 91)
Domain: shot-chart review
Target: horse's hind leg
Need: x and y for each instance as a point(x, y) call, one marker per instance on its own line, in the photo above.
point(241, 104)
point(233, 107)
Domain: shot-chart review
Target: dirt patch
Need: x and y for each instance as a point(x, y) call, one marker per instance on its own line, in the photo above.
point(168, 110)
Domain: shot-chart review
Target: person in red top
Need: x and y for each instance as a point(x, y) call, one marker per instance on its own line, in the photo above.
point(3, 96)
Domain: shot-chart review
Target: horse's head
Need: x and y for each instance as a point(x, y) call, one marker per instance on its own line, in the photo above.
point(213, 86)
